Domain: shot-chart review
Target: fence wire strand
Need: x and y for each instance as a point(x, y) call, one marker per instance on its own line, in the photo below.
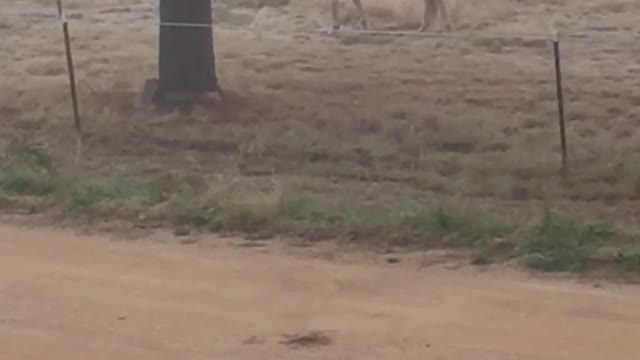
point(87, 17)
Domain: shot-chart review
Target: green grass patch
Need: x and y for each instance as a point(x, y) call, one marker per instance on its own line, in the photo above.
point(554, 243)
point(559, 243)
point(27, 169)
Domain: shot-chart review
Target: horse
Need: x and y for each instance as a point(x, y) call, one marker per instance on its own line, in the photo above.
point(430, 12)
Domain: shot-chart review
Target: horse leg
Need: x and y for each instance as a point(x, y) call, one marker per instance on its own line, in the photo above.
point(444, 14)
point(361, 14)
point(429, 12)
point(335, 13)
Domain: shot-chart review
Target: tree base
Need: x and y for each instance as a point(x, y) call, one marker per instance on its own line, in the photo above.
point(152, 94)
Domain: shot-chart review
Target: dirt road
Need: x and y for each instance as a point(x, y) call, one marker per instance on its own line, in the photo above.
point(64, 296)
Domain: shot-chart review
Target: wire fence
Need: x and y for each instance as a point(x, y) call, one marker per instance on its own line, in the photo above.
point(91, 17)
point(554, 37)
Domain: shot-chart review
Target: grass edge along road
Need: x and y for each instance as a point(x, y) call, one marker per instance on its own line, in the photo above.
point(550, 242)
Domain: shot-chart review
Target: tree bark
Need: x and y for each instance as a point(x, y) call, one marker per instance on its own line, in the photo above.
point(186, 61)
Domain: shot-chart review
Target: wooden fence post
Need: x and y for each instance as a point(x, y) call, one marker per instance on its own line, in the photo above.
point(560, 99)
point(72, 82)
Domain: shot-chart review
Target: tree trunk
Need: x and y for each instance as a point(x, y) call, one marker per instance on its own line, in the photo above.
point(186, 62)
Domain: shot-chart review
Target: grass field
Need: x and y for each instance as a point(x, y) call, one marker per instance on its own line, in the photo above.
point(384, 123)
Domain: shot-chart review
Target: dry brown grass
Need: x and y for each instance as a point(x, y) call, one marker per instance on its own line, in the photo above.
point(408, 13)
point(501, 15)
point(396, 122)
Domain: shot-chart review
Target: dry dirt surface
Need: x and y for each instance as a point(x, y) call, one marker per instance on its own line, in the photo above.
point(67, 296)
